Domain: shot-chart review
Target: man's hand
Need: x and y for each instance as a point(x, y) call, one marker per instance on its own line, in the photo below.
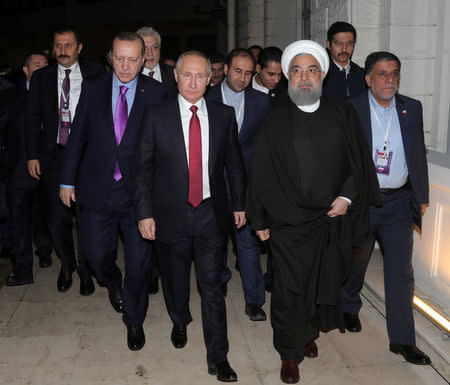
point(338, 207)
point(66, 195)
point(263, 234)
point(239, 219)
point(424, 208)
point(34, 168)
point(147, 228)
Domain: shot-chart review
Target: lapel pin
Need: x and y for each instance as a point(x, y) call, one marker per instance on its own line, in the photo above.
point(273, 95)
point(404, 112)
point(142, 90)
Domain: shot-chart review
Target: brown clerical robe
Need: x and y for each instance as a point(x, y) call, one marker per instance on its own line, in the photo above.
point(301, 163)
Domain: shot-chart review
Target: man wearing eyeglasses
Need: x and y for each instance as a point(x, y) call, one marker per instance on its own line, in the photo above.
point(344, 78)
point(311, 181)
point(161, 72)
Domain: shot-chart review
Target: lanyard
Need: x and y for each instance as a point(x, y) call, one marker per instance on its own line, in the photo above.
point(386, 131)
point(241, 108)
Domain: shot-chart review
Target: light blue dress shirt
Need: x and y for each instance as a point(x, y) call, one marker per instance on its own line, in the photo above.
point(235, 100)
point(398, 173)
point(116, 83)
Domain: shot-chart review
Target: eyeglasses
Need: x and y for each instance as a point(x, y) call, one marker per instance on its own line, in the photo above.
point(311, 71)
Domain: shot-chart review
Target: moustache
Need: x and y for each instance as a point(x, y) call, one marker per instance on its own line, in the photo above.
point(304, 84)
point(344, 53)
point(63, 57)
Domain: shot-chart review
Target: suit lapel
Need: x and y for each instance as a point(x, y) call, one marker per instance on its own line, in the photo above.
point(108, 111)
point(53, 86)
point(247, 114)
point(177, 136)
point(213, 136)
point(402, 119)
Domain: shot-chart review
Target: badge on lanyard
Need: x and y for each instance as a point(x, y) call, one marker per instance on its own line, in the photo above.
point(65, 118)
point(383, 159)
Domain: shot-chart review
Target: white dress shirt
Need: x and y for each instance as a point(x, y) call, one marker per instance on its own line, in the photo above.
point(202, 113)
point(347, 67)
point(156, 72)
point(256, 86)
point(75, 87)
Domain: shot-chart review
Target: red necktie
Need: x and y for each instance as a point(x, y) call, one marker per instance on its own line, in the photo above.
point(195, 160)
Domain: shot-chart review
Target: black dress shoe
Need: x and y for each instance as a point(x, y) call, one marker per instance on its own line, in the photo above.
point(135, 337)
point(64, 279)
point(223, 371)
point(115, 298)
point(352, 322)
point(236, 265)
point(179, 336)
point(255, 312)
point(18, 280)
point(411, 353)
point(87, 286)
point(224, 290)
point(153, 287)
point(45, 261)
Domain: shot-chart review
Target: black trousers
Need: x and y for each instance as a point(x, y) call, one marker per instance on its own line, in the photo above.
point(100, 232)
point(204, 240)
point(61, 218)
point(28, 216)
point(290, 318)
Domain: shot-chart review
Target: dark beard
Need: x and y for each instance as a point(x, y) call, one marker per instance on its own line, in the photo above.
point(304, 97)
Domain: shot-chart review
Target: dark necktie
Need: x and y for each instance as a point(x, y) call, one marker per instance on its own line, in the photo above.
point(64, 125)
point(120, 122)
point(151, 73)
point(195, 160)
point(347, 88)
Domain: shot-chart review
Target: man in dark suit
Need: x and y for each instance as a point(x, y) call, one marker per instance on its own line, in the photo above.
point(345, 78)
point(393, 126)
point(180, 199)
point(51, 105)
point(152, 67)
point(27, 210)
point(98, 165)
point(269, 77)
point(250, 107)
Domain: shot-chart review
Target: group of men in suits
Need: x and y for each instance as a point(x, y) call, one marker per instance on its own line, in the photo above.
point(161, 156)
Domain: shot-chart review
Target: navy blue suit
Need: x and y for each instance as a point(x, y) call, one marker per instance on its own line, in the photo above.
point(41, 125)
point(257, 105)
point(90, 157)
point(392, 224)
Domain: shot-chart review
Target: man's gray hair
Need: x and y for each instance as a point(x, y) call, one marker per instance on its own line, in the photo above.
point(193, 53)
point(149, 31)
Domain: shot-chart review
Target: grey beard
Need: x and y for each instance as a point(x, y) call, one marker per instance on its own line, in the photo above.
point(304, 97)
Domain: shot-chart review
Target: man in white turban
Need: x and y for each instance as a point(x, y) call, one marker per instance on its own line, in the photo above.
point(310, 183)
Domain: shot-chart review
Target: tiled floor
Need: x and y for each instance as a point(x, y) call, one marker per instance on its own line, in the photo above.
point(47, 338)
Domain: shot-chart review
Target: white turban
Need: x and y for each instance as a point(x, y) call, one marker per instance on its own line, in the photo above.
point(307, 47)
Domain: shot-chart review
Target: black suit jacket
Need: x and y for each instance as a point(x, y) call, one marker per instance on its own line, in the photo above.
point(161, 182)
point(91, 152)
point(257, 104)
point(335, 83)
point(409, 113)
point(42, 111)
point(168, 79)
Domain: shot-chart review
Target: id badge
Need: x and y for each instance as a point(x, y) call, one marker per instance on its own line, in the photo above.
point(383, 161)
point(65, 118)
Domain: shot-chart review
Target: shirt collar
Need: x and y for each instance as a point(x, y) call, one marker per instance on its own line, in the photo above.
point(185, 105)
point(75, 67)
point(258, 87)
point(229, 92)
point(378, 106)
point(156, 70)
point(347, 67)
point(310, 108)
point(117, 83)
